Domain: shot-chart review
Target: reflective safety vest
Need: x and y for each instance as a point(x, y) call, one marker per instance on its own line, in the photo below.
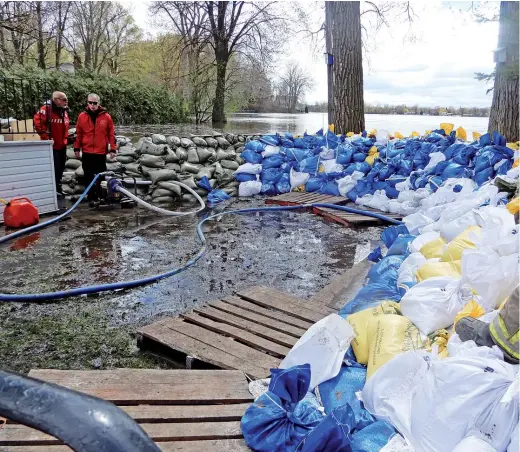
point(504, 327)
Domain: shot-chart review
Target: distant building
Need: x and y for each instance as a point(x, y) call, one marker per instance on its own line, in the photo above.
point(64, 67)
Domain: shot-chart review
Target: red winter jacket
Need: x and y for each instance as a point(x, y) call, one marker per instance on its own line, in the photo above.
point(94, 137)
point(52, 123)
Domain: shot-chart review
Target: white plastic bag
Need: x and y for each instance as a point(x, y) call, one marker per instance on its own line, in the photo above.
point(451, 229)
point(422, 240)
point(327, 154)
point(434, 303)
point(406, 273)
point(296, 178)
point(347, 183)
point(435, 158)
point(249, 168)
point(505, 242)
point(490, 217)
point(331, 166)
point(416, 221)
point(494, 277)
point(473, 444)
point(323, 346)
point(382, 137)
point(270, 150)
point(249, 188)
point(514, 445)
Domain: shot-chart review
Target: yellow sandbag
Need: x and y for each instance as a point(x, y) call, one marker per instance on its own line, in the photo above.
point(371, 159)
point(433, 269)
point(517, 162)
point(433, 249)
point(460, 243)
point(514, 205)
point(461, 133)
point(321, 169)
point(350, 134)
point(471, 309)
point(373, 132)
point(427, 132)
point(398, 135)
point(359, 322)
point(439, 338)
point(513, 146)
point(414, 134)
point(476, 136)
point(300, 189)
point(388, 336)
point(331, 127)
point(372, 150)
point(447, 127)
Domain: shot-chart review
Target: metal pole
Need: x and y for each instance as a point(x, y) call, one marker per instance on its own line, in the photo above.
point(328, 45)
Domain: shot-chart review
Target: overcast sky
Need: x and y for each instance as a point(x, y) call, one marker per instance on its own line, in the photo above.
point(435, 69)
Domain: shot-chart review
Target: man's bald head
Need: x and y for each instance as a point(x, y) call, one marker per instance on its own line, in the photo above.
point(59, 98)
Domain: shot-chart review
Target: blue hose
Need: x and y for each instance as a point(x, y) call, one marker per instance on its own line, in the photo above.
point(143, 281)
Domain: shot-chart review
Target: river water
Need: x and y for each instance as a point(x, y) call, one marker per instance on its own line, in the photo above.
point(260, 123)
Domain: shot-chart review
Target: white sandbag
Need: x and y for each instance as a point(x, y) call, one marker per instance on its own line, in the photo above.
point(222, 142)
point(79, 172)
point(229, 164)
point(173, 141)
point(473, 444)
point(435, 404)
point(182, 154)
point(494, 277)
point(505, 242)
point(225, 155)
point(451, 229)
point(193, 157)
point(163, 200)
point(141, 142)
point(207, 172)
point(158, 192)
point(514, 445)
point(190, 182)
point(434, 303)
point(406, 273)
point(435, 158)
point(170, 156)
point(125, 159)
point(151, 161)
point(128, 150)
point(270, 150)
point(157, 138)
point(212, 143)
point(187, 143)
point(187, 167)
point(204, 154)
point(250, 188)
point(382, 137)
point(199, 141)
point(110, 158)
point(73, 164)
point(174, 188)
point(327, 154)
point(331, 166)
point(422, 240)
point(162, 174)
point(173, 166)
point(323, 346)
point(249, 168)
point(416, 221)
point(489, 217)
point(116, 167)
point(347, 183)
point(153, 149)
point(296, 178)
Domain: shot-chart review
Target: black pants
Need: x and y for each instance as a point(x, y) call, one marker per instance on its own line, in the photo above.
point(92, 165)
point(60, 155)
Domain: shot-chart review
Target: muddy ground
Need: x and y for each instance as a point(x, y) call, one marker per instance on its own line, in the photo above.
point(294, 252)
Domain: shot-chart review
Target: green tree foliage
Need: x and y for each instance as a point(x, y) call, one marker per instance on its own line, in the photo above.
point(129, 102)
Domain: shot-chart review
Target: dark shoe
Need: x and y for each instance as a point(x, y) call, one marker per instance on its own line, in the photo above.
point(94, 204)
point(470, 329)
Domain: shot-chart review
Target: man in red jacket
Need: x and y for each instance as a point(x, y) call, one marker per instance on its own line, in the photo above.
point(95, 136)
point(51, 122)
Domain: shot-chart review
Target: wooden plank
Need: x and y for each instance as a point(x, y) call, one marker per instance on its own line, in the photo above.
point(243, 336)
point(252, 327)
point(277, 315)
point(204, 352)
point(16, 434)
point(223, 343)
point(76, 379)
point(223, 445)
point(259, 319)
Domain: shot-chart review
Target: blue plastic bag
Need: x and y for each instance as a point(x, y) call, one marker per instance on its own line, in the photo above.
point(370, 296)
point(280, 419)
point(487, 157)
point(284, 184)
point(375, 255)
point(274, 161)
point(270, 175)
point(251, 156)
point(391, 233)
point(271, 140)
point(297, 155)
point(483, 176)
point(332, 140)
point(344, 154)
point(255, 145)
point(363, 167)
point(217, 196)
point(268, 189)
point(245, 177)
point(330, 188)
point(359, 157)
point(372, 438)
point(400, 246)
point(300, 143)
point(204, 183)
point(314, 184)
point(386, 270)
point(309, 165)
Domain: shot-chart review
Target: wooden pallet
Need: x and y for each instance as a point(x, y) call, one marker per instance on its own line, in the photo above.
point(181, 410)
point(353, 220)
point(297, 198)
point(251, 332)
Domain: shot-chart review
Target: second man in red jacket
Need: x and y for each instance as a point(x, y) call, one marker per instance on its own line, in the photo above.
point(95, 136)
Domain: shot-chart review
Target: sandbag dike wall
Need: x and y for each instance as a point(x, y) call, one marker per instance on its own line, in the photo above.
point(162, 159)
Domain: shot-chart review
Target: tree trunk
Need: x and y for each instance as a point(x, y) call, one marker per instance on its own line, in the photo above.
point(344, 28)
point(41, 44)
point(503, 117)
point(218, 115)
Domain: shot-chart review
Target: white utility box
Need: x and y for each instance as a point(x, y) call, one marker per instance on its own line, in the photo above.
point(27, 170)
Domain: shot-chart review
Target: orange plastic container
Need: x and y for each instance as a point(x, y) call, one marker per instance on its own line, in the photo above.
point(21, 213)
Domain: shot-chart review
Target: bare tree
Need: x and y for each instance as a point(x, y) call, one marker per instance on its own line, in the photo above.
point(504, 115)
point(293, 84)
point(61, 19)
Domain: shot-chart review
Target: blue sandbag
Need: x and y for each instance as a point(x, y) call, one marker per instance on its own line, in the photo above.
point(498, 139)
point(274, 161)
point(284, 184)
point(352, 195)
point(271, 140)
point(300, 143)
point(333, 433)
point(286, 142)
point(286, 167)
point(370, 296)
point(345, 154)
point(363, 167)
point(372, 438)
point(204, 183)
point(281, 418)
point(314, 184)
point(487, 157)
point(391, 192)
point(400, 246)
point(298, 155)
point(391, 233)
point(217, 196)
point(405, 168)
point(251, 156)
point(309, 165)
point(255, 145)
point(483, 176)
point(330, 188)
point(270, 175)
point(245, 177)
point(359, 157)
point(454, 170)
point(332, 140)
point(386, 270)
point(464, 155)
point(268, 189)
point(375, 255)
point(505, 167)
